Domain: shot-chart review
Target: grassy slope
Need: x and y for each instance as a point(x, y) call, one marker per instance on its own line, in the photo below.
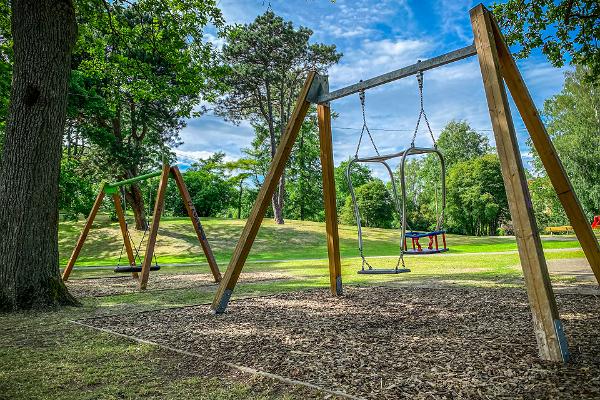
point(44, 356)
point(295, 240)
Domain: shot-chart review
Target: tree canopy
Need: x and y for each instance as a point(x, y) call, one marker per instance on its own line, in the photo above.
point(565, 30)
point(573, 122)
point(139, 69)
point(268, 61)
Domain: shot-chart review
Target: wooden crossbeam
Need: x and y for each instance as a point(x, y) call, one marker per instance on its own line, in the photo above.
point(158, 209)
point(331, 223)
point(191, 210)
point(263, 199)
point(124, 233)
point(84, 233)
point(547, 153)
point(547, 326)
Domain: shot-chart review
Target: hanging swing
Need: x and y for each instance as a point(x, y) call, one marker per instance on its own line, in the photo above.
point(400, 202)
point(137, 249)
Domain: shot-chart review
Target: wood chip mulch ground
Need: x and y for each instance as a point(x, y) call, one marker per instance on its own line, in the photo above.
point(390, 343)
point(124, 284)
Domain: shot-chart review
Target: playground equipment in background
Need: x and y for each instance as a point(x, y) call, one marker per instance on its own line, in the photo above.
point(497, 68)
point(145, 267)
point(400, 202)
point(559, 229)
point(569, 228)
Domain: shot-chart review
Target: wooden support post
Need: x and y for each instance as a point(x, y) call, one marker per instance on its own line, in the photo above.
point(191, 210)
point(263, 200)
point(125, 233)
point(158, 208)
point(331, 222)
point(547, 326)
point(84, 233)
point(545, 149)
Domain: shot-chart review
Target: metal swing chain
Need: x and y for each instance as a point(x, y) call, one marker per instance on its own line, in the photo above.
point(422, 114)
point(365, 128)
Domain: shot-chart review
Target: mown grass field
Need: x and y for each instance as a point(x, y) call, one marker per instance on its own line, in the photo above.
point(44, 355)
point(295, 240)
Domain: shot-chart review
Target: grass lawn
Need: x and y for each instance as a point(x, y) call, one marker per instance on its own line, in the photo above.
point(44, 355)
point(177, 242)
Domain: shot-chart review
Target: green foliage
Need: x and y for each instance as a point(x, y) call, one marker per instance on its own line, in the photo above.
point(268, 61)
point(476, 200)
point(459, 142)
point(375, 203)
point(564, 30)
point(573, 122)
point(360, 175)
point(304, 179)
point(209, 187)
point(139, 69)
point(422, 179)
point(76, 191)
point(547, 207)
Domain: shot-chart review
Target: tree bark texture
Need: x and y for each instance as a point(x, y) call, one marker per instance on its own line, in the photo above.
point(135, 199)
point(44, 33)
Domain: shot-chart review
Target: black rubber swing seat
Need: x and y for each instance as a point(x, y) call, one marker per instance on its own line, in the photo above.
point(128, 268)
point(376, 271)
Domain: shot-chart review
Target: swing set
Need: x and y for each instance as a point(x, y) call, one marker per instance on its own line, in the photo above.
point(400, 202)
point(145, 265)
point(497, 69)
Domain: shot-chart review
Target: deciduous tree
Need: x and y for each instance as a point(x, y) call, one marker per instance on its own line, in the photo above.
point(43, 33)
point(565, 30)
point(140, 68)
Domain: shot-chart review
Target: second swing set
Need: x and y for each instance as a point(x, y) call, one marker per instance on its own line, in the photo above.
point(146, 263)
point(434, 245)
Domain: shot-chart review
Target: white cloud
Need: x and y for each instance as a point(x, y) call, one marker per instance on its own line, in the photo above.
point(377, 36)
point(374, 57)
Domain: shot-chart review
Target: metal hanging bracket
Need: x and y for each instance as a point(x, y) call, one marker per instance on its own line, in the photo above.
point(318, 88)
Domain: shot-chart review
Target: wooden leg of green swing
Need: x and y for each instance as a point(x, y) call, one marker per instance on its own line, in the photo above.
point(83, 236)
point(191, 210)
point(263, 200)
point(547, 325)
point(158, 208)
point(331, 223)
point(124, 233)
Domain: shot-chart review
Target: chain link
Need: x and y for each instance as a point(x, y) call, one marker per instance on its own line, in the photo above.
point(422, 114)
point(365, 128)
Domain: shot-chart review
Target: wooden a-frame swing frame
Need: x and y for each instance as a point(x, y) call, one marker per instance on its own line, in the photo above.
point(112, 189)
point(497, 69)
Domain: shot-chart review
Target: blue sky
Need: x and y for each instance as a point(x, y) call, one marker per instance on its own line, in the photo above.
point(378, 36)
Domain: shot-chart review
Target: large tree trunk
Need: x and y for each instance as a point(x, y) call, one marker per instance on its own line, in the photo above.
point(135, 199)
point(44, 32)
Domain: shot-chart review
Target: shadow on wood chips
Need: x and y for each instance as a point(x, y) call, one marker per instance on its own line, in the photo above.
point(125, 284)
point(389, 343)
